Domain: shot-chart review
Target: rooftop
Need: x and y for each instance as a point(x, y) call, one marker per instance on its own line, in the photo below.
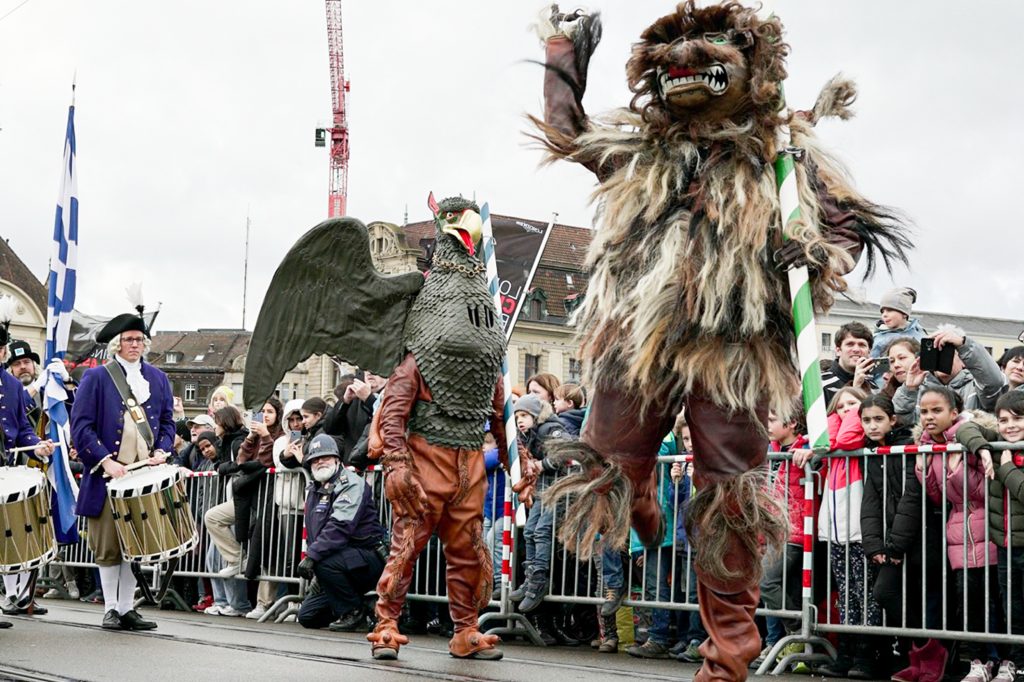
point(14, 270)
point(202, 350)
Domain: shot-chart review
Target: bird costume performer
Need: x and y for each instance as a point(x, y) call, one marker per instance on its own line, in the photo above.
point(687, 304)
point(442, 345)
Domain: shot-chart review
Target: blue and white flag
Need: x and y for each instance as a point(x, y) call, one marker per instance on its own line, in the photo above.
point(59, 307)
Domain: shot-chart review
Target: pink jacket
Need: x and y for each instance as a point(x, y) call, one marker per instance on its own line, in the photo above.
point(961, 535)
point(839, 515)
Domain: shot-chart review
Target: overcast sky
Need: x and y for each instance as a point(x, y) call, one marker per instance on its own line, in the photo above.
point(191, 115)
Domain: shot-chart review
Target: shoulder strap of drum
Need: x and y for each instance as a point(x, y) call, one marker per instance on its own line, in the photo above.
point(134, 409)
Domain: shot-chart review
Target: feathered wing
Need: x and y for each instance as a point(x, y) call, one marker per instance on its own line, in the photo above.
point(326, 297)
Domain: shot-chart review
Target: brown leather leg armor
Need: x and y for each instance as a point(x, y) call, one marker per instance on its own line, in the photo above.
point(454, 481)
point(618, 429)
point(727, 445)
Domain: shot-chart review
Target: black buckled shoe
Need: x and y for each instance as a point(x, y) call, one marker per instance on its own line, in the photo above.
point(112, 621)
point(37, 610)
point(133, 621)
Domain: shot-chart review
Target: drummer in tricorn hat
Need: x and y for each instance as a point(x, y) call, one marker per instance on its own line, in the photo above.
point(15, 432)
point(123, 413)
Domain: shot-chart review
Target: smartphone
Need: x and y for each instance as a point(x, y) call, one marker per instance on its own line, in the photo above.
point(881, 365)
point(257, 416)
point(294, 436)
point(934, 359)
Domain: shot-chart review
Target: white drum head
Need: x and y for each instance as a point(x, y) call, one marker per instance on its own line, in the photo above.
point(144, 481)
point(19, 483)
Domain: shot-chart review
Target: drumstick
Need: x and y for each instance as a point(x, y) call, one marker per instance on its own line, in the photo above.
point(25, 448)
point(132, 467)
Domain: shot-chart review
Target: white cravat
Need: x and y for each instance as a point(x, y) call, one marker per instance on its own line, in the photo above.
point(136, 382)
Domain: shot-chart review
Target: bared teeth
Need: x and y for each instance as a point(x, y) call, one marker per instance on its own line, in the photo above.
point(714, 77)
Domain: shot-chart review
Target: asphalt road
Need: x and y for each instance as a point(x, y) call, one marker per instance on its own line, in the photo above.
point(68, 644)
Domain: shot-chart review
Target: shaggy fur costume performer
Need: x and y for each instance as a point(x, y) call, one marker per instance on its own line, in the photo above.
point(687, 304)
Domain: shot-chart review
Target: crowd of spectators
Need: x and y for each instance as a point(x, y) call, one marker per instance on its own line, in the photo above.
point(893, 533)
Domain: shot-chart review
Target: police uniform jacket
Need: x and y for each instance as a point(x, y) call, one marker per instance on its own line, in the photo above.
point(17, 431)
point(340, 515)
point(97, 421)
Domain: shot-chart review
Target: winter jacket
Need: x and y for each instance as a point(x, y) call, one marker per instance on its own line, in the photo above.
point(227, 451)
point(965, 527)
point(259, 448)
point(347, 422)
point(546, 426)
point(790, 489)
point(572, 420)
point(884, 336)
point(890, 517)
point(840, 512)
point(340, 514)
point(1006, 491)
point(979, 384)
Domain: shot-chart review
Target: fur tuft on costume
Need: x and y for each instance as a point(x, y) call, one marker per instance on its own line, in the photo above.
point(603, 486)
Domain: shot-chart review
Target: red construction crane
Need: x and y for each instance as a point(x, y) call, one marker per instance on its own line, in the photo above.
point(338, 191)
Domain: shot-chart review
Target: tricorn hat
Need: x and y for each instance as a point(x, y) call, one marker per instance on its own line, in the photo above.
point(126, 322)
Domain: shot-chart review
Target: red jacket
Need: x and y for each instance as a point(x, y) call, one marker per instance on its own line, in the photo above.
point(787, 482)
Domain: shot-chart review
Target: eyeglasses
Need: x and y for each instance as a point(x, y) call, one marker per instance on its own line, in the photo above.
point(133, 339)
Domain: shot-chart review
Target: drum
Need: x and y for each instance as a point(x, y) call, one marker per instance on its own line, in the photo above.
point(28, 541)
point(151, 514)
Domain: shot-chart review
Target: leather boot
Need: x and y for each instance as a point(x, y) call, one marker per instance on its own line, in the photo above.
point(542, 626)
point(733, 640)
point(386, 640)
point(471, 643)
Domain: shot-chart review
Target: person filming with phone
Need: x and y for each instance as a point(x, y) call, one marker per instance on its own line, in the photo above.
point(949, 358)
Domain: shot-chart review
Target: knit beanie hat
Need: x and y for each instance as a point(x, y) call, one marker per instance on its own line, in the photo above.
point(900, 298)
point(530, 404)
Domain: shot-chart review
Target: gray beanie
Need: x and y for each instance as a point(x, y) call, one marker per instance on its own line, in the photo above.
point(901, 299)
point(530, 404)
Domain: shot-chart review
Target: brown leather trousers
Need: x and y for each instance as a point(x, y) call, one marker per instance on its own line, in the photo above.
point(454, 481)
point(725, 445)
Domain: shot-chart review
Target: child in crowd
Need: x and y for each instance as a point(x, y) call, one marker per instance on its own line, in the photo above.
point(891, 530)
point(783, 575)
point(946, 479)
point(688, 624)
point(1006, 516)
point(839, 525)
point(537, 424)
point(494, 507)
point(569, 405)
point(895, 310)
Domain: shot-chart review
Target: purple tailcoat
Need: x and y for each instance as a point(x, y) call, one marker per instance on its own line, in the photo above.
point(17, 430)
point(97, 420)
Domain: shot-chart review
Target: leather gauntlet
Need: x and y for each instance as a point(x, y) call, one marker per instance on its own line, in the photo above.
point(401, 486)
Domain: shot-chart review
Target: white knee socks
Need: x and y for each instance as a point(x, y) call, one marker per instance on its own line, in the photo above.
point(126, 589)
point(109, 576)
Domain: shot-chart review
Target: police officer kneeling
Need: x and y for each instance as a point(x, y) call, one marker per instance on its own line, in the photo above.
point(344, 539)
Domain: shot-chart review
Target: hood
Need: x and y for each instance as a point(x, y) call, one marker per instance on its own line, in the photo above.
point(293, 405)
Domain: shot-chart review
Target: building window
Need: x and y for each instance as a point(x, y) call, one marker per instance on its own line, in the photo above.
point(531, 366)
point(284, 392)
point(826, 341)
point(536, 309)
point(173, 358)
point(190, 391)
point(575, 371)
point(199, 358)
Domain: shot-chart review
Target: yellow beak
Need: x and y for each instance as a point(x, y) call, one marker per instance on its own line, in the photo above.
point(468, 229)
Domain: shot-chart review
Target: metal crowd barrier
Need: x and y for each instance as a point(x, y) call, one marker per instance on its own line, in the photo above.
point(278, 510)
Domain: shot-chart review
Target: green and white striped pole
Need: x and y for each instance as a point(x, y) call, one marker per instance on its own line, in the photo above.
point(799, 279)
point(802, 303)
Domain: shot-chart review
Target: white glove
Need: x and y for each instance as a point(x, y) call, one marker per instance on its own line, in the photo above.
point(38, 384)
point(57, 368)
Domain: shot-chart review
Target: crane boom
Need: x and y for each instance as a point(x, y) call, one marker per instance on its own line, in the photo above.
point(338, 188)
